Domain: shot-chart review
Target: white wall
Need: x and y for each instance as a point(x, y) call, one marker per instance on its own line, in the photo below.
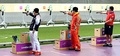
point(20, 7)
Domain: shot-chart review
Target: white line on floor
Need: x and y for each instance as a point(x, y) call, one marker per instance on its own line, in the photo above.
point(56, 25)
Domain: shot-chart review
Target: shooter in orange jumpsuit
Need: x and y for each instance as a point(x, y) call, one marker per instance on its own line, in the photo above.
point(74, 28)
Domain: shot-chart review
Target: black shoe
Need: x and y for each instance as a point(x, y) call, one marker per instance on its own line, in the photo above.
point(110, 45)
point(77, 50)
point(105, 45)
point(71, 49)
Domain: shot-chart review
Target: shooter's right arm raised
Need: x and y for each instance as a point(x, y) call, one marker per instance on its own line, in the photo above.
point(101, 12)
point(29, 13)
point(69, 13)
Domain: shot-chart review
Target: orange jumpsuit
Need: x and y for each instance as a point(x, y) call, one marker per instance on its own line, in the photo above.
point(74, 30)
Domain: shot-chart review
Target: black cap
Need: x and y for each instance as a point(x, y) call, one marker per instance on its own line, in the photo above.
point(36, 10)
point(75, 9)
point(111, 8)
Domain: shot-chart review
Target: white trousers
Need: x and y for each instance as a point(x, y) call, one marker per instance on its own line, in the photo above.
point(34, 41)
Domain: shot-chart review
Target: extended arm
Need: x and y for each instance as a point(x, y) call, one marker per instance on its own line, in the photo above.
point(101, 12)
point(29, 13)
point(69, 13)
